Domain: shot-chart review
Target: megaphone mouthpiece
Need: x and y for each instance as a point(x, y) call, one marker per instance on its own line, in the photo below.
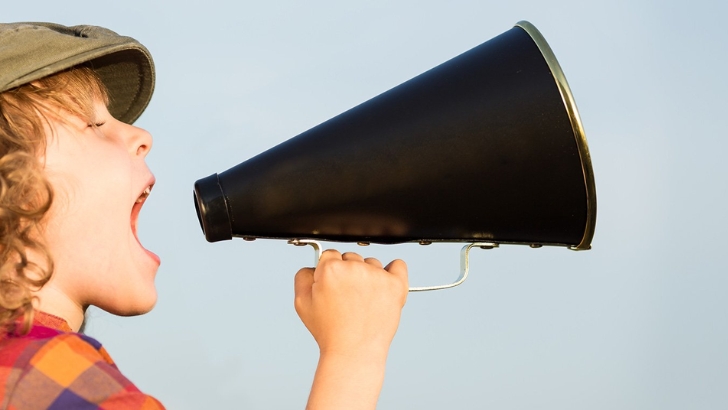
point(212, 210)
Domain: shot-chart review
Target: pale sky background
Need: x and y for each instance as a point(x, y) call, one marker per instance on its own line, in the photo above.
point(638, 322)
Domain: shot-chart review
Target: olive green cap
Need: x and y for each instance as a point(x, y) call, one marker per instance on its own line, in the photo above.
point(30, 51)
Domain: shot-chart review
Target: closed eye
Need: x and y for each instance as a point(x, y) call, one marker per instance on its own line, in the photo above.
point(98, 124)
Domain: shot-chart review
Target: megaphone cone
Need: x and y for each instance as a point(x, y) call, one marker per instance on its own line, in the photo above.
point(487, 146)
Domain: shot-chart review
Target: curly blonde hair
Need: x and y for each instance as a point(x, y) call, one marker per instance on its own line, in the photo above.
point(25, 193)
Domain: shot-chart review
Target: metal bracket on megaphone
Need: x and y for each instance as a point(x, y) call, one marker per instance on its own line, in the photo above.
point(464, 261)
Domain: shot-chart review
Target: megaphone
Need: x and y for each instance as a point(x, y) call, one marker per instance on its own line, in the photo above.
point(486, 148)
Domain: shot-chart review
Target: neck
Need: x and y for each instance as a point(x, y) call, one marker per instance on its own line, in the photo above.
point(58, 303)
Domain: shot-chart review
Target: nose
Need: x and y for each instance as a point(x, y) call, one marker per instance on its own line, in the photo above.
point(140, 142)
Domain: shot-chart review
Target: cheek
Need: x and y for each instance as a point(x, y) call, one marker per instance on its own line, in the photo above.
point(92, 198)
point(92, 189)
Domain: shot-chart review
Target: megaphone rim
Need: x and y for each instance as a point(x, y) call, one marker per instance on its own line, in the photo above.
point(576, 125)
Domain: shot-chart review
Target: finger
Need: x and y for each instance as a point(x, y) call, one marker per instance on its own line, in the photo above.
point(374, 262)
point(330, 254)
point(398, 268)
point(302, 284)
point(352, 256)
point(327, 257)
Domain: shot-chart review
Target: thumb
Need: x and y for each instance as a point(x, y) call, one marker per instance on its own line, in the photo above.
point(302, 290)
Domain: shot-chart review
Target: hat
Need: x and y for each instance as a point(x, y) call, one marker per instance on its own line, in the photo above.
point(30, 51)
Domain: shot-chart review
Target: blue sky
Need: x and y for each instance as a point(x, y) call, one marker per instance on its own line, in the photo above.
point(638, 322)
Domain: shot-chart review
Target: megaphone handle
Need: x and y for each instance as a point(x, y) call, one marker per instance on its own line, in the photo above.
point(315, 244)
point(464, 261)
point(464, 267)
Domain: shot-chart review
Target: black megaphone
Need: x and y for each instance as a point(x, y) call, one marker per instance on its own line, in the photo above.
point(487, 146)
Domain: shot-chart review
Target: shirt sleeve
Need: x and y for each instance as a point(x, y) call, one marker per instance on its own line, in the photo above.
point(72, 371)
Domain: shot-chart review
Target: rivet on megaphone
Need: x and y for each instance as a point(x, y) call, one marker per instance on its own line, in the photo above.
point(535, 245)
point(248, 238)
point(495, 245)
point(363, 243)
point(425, 242)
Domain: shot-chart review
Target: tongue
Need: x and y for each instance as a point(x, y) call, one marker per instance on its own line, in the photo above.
point(135, 217)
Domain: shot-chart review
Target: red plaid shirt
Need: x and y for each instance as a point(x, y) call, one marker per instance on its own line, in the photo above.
point(53, 368)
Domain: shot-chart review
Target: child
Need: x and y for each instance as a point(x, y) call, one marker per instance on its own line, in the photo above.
point(73, 179)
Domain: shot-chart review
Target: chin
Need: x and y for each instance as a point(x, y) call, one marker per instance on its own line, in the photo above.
point(138, 304)
point(138, 293)
point(141, 308)
point(132, 311)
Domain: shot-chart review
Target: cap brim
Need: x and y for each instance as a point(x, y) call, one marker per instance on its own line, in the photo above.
point(129, 77)
point(40, 49)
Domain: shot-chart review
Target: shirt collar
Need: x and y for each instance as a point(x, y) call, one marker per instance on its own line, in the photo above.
point(47, 320)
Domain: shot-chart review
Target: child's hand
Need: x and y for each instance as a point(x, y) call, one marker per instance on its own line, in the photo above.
point(352, 307)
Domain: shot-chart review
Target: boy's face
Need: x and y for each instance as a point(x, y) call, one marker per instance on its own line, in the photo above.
point(99, 177)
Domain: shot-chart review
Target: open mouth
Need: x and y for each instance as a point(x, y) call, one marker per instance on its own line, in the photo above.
point(137, 208)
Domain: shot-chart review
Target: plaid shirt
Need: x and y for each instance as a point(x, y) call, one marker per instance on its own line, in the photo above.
point(53, 368)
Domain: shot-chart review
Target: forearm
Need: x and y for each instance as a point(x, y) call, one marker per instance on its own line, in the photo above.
point(347, 382)
point(352, 307)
